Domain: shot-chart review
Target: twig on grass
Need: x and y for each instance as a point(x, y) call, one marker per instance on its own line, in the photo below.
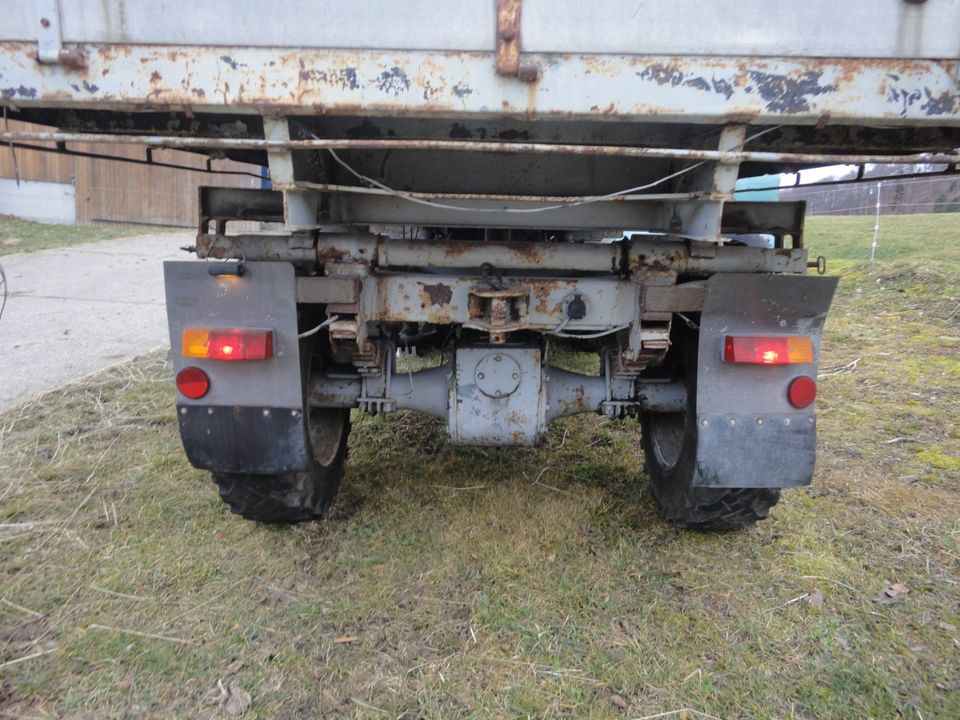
point(127, 631)
point(362, 704)
point(821, 577)
point(548, 487)
point(563, 439)
point(10, 663)
point(21, 608)
point(461, 489)
point(125, 596)
point(683, 713)
point(841, 369)
point(789, 602)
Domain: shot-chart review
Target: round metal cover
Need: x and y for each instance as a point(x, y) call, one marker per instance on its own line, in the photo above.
point(497, 375)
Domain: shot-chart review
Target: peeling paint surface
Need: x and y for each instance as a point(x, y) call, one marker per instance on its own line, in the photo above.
point(425, 83)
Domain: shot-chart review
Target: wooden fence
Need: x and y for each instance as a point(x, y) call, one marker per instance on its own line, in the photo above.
point(109, 191)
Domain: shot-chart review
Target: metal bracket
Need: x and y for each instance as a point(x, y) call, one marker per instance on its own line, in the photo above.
point(508, 44)
point(498, 310)
point(50, 49)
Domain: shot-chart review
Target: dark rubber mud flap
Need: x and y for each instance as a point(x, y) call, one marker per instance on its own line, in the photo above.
point(736, 451)
point(748, 433)
point(244, 439)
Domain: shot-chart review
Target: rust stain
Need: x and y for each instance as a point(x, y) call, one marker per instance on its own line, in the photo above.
point(508, 37)
point(437, 294)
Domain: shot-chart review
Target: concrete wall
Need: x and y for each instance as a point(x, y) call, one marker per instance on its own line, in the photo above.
point(40, 201)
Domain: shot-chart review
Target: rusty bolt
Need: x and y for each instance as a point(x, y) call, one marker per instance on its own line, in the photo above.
point(528, 71)
point(508, 34)
point(44, 22)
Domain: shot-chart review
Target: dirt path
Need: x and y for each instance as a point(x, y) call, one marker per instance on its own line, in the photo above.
point(75, 310)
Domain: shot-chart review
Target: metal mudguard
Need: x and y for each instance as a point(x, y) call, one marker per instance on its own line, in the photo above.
point(748, 434)
point(252, 419)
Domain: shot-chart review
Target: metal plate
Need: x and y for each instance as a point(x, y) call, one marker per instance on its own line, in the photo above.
point(757, 304)
point(570, 87)
point(748, 434)
point(252, 418)
point(747, 27)
point(478, 419)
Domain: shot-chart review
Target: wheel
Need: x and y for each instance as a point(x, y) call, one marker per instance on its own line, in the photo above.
point(300, 496)
point(670, 454)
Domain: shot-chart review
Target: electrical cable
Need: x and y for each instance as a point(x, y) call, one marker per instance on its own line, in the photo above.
point(319, 327)
point(589, 336)
point(559, 206)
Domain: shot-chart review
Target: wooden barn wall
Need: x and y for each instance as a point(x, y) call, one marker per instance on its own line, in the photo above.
point(112, 191)
point(33, 165)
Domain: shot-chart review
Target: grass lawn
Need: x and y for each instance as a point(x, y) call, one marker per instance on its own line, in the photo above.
point(18, 236)
point(464, 582)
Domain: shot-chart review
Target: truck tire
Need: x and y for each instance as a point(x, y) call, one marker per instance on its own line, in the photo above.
point(298, 496)
point(670, 454)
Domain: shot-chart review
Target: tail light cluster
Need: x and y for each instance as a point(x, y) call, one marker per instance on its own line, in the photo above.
point(776, 350)
point(768, 350)
point(219, 344)
point(232, 344)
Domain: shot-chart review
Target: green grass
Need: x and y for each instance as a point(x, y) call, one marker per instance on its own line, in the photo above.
point(19, 236)
point(465, 582)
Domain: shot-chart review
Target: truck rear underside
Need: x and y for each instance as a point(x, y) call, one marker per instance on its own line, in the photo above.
point(487, 183)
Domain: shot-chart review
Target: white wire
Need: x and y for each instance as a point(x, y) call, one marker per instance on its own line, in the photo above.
point(814, 212)
point(319, 327)
point(589, 336)
point(559, 206)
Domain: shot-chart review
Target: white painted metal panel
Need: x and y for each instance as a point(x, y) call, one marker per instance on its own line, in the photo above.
point(775, 28)
point(397, 24)
point(782, 28)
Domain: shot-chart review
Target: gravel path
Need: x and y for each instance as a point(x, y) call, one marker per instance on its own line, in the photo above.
point(72, 311)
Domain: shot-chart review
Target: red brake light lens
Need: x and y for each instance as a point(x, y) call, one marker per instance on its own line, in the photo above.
point(193, 383)
point(232, 344)
point(801, 392)
point(768, 350)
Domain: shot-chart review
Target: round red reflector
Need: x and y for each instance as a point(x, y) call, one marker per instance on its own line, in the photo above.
point(802, 392)
point(193, 382)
